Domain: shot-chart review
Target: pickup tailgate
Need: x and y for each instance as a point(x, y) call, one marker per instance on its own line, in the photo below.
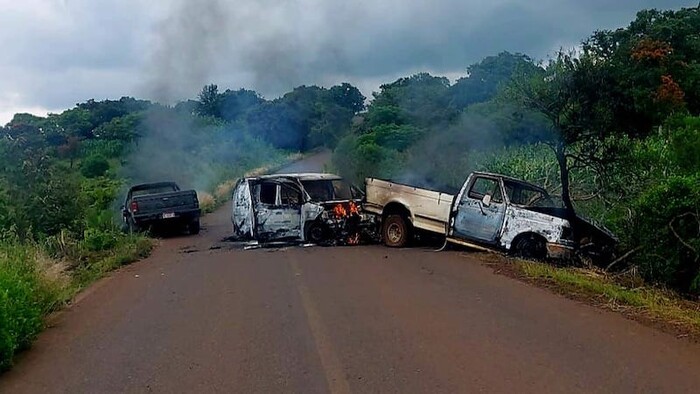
point(430, 209)
point(167, 202)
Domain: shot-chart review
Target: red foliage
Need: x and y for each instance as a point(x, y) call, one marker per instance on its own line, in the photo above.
point(669, 92)
point(648, 49)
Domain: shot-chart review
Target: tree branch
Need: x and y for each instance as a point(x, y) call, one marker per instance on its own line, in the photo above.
point(623, 257)
point(681, 240)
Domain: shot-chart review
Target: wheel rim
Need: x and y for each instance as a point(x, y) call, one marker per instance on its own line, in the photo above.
point(530, 247)
point(394, 232)
point(316, 234)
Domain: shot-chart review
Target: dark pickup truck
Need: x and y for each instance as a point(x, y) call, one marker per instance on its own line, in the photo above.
point(160, 204)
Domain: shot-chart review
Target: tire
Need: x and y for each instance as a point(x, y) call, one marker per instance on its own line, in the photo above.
point(194, 227)
point(530, 246)
point(396, 231)
point(315, 233)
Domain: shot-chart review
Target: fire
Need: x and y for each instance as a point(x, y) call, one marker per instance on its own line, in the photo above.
point(340, 211)
point(348, 216)
point(354, 239)
point(354, 210)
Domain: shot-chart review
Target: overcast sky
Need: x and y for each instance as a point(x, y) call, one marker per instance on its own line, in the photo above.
point(56, 53)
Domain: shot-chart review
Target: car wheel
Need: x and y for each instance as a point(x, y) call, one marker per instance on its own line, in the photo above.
point(315, 233)
point(530, 246)
point(194, 227)
point(396, 231)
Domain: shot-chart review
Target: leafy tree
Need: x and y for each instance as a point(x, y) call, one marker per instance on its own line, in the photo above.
point(348, 96)
point(654, 68)
point(209, 103)
point(94, 166)
point(486, 78)
point(235, 104)
point(565, 93)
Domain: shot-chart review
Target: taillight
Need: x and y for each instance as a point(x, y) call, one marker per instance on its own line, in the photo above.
point(134, 206)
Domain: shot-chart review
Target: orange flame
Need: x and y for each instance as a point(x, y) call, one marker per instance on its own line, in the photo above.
point(354, 239)
point(340, 211)
point(354, 210)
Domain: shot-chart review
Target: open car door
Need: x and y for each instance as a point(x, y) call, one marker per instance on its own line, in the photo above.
point(242, 211)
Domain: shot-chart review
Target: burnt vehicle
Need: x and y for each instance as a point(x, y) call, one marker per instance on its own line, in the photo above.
point(490, 211)
point(162, 205)
point(309, 207)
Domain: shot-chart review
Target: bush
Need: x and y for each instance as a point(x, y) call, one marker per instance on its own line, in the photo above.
point(30, 287)
point(94, 166)
point(666, 226)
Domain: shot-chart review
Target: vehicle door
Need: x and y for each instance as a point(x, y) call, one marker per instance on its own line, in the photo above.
point(242, 210)
point(480, 211)
point(278, 209)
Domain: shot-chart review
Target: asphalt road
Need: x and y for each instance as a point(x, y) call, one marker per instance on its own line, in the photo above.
point(201, 316)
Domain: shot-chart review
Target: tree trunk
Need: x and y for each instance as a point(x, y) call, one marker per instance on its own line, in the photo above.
point(560, 152)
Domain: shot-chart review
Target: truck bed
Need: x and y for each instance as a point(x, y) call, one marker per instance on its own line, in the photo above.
point(429, 209)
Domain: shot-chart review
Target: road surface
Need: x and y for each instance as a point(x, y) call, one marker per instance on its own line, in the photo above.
point(200, 316)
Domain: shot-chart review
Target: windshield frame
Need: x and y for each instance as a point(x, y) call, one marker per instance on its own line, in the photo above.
point(527, 186)
point(330, 186)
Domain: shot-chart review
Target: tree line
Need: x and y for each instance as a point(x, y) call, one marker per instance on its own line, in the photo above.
point(611, 126)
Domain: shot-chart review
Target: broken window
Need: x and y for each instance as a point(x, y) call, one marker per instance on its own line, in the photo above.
point(290, 195)
point(484, 186)
point(528, 196)
point(267, 193)
point(328, 190)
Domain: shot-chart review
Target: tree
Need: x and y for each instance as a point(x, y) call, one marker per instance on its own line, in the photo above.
point(484, 79)
point(654, 68)
point(566, 93)
point(209, 101)
point(348, 96)
point(235, 104)
point(94, 166)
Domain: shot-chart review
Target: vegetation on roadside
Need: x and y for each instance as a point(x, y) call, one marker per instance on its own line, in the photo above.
point(618, 293)
point(613, 127)
point(62, 178)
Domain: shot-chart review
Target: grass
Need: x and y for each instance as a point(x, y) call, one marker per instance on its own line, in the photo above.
point(34, 284)
point(130, 248)
point(642, 301)
point(31, 286)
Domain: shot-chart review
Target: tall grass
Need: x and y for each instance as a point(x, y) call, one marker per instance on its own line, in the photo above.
point(39, 278)
point(31, 285)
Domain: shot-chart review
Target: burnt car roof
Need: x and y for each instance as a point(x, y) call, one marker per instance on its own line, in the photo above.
point(306, 176)
point(511, 179)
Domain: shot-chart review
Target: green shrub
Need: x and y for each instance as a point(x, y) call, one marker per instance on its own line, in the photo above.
point(666, 226)
point(94, 166)
point(30, 287)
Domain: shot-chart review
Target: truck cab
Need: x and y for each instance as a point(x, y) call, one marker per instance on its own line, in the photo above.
point(510, 214)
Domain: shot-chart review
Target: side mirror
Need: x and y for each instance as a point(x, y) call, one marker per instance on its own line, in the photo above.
point(486, 201)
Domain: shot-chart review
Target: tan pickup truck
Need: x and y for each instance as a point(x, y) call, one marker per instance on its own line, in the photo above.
point(490, 211)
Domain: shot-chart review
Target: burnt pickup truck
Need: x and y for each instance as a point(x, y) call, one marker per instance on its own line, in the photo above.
point(309, 207)
point(160, 204)
point(491, 211)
